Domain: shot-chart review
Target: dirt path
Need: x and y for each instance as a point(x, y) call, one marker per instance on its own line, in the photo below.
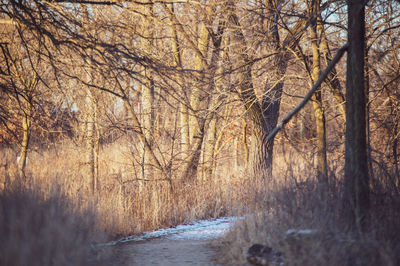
point(165, 252)
point(182, 245)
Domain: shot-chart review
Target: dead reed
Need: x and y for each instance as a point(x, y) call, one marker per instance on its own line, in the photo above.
point(127, 204)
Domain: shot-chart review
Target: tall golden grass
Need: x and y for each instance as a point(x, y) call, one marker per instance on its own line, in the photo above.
point(126, 204)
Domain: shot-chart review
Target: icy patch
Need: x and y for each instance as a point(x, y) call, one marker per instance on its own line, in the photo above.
point(301, 231)
point(204, 229)
point(199, 230)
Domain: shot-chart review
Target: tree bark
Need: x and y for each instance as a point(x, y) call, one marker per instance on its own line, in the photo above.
point(92, 140)
point(183, 104)
point(332, 80)
point(147, 96)
point(263, 114)
point(317, 99)
point(356, 179)
point(26, 106)
point(26, 135)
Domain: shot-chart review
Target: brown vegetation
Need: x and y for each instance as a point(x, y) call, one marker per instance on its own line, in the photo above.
point(159, 112)
point(40, 227)
point(298, 203)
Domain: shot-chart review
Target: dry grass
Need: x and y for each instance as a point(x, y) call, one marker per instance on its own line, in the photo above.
point(299, 203)
point(126, 204)
point(41, 228)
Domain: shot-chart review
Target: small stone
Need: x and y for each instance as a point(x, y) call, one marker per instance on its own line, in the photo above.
point(265, 256)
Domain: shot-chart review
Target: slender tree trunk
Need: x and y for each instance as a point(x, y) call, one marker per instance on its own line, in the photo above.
point(317, 100)
point(183, 105)
point(26, 105)
point(147, 89)
point(209, 147)
point(199, 101)
point(191, 126)
point(96, 147)
point(245, 144)
point(26, 131)
point(215, 69)
point(200, 97)
point(356, 179)
point(91, 142)
point(332, 80)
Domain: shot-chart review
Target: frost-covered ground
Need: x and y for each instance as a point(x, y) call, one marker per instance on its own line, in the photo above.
point(199, 230)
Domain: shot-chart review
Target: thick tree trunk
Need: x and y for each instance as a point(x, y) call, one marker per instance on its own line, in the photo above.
point(264, 115)
point(356, 179)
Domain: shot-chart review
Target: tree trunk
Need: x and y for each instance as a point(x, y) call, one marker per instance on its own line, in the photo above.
point(26, 131)
point(245, 145)
point(191, 121)
point(147, 89)
point(26, 105)
point(264, 115)
point(332, 80)
point(209, 147)
point(356, 179)
point(317, 100)
point(183, 105)
point(91, 136)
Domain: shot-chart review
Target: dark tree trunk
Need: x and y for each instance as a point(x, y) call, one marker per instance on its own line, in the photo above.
point(356, 179)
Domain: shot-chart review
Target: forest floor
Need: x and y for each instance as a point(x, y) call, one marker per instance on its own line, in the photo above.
point(182, 245)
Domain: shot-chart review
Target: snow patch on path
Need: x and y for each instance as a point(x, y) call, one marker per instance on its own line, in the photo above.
point(199, 230)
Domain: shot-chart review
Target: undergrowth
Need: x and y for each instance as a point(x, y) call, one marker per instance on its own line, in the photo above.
point(306, 205)
point(41, 228)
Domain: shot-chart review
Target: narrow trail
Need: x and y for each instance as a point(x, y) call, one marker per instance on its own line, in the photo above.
point(166, 252)
point(182, 245)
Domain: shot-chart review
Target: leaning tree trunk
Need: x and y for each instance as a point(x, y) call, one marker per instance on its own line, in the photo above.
point(356, 179)
point(200, 94)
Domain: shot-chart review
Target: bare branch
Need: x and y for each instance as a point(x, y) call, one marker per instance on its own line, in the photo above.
point(321, 79)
